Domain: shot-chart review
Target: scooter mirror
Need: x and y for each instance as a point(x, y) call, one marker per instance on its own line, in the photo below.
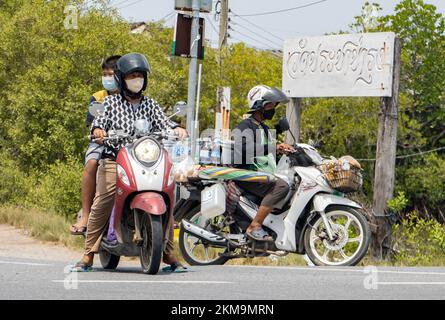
point(282, 125)
point(180, 109)
point(142, 127)
point(96, 109)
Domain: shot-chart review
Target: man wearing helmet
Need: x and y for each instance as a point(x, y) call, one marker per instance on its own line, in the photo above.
point(258, 143)
point(120, 112)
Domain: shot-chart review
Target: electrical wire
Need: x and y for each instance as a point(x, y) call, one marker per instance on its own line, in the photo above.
point(251, 38)
point(283, 10)
point(130, 4)
point(409, 155)
point(256, 26)
point(256, 33)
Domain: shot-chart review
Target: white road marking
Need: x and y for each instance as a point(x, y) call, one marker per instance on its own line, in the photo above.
point(341, 270)
point(25, 263)
point(146, 281)
point(423, 283)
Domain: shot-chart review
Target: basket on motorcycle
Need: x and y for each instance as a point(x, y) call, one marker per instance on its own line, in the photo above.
point(343, 175)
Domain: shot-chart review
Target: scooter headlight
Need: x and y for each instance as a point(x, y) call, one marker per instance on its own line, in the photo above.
point(147, 151)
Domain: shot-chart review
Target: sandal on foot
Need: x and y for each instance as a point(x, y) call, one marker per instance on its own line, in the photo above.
point(78, 231)
point(259, 235)
point(81, 267)
point(175, 267)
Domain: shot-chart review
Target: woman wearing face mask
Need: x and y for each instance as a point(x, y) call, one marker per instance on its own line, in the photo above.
point(258, 142)
point(120, 112)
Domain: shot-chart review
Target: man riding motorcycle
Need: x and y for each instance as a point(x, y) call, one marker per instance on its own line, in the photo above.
point(262, 102)
point(120, 112)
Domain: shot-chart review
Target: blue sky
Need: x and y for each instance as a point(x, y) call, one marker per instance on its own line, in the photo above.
point(328, 16)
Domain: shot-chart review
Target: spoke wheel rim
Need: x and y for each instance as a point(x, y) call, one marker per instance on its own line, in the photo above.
point(194, 247)
point(334, 252)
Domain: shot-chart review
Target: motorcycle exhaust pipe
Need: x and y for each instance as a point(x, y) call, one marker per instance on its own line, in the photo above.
point(203, 234)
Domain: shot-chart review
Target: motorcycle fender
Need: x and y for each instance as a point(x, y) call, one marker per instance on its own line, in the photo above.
point(323, 200)
point(150, 202)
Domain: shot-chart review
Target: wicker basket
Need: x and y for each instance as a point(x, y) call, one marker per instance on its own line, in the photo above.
point(345, 181)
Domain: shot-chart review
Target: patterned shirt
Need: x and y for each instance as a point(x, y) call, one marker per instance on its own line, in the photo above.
point(119, 114)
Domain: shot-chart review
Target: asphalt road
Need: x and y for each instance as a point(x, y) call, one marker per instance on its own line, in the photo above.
point(33, 270)
point(40, 279)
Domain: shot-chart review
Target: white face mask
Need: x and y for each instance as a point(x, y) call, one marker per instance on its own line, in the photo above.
point(135, 85)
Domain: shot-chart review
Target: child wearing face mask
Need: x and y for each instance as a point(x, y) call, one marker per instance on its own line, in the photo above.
point(94, 151)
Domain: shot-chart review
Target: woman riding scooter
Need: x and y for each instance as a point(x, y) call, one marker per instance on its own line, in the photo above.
point(120, 111)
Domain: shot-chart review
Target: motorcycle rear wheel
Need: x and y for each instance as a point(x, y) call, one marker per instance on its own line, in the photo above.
point(152, 246)
point(188, 253)
point(108, 260)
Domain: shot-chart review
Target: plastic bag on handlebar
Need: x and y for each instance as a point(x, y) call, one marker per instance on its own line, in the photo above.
point(185, 169)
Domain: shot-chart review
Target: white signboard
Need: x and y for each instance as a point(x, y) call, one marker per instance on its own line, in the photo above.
point(355, 65)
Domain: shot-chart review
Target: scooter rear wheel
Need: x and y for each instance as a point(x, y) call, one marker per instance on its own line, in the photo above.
point(108, 261)
point(151, 249)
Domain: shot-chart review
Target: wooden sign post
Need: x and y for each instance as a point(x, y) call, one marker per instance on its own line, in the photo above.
point(351, 65)
point(384, 178)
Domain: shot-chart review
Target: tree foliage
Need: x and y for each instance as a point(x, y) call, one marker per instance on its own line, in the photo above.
point(48, 73)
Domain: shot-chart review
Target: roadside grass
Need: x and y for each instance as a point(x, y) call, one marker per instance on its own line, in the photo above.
point(45, 226)
point(418, 242)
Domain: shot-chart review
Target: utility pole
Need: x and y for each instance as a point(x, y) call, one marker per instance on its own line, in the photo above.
point(222, 112)
point(223, 24)
point(293, 115)
point(386, 161)
point(194, 39)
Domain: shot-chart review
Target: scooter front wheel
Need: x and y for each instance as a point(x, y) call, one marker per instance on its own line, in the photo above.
point(151, 249)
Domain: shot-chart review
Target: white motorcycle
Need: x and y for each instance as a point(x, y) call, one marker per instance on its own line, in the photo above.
point(317, 219)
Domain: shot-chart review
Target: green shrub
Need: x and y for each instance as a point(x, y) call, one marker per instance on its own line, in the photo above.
point(424, 183)
point(14, 183)
point(419, 241)
point(59, 189)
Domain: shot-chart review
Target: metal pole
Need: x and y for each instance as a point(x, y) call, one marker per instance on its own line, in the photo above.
point(194, 39)
point(197, 99)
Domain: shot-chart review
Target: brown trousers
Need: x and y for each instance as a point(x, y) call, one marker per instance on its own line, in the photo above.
point(103, 205)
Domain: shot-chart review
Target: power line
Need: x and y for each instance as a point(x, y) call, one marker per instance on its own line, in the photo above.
point(119, 3)
point(283, 10)
point(257, 26)
point(129, 5)
point(251, 38)
point(255, 33)
point(408, 155)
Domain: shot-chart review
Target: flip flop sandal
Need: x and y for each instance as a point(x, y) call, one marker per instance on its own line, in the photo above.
point(259, 235)
point(175, 267)
point(78, 231)
point(81, 267)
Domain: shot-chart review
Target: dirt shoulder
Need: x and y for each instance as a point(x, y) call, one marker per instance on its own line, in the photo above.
point(17, 243)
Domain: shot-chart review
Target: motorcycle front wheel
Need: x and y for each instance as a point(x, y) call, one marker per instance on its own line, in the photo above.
point(352, 236)
point(151, 249)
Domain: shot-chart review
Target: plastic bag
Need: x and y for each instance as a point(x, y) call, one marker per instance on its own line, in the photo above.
point(185, 169)
point(266, 164)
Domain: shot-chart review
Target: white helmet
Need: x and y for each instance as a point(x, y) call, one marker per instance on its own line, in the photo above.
point(260, 95)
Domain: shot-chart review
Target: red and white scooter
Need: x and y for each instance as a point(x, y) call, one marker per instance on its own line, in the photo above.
point(144, 196)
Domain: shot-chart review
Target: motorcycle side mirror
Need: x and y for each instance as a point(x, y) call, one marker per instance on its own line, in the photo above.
point(97, 109)
point(282, 125)
point(180, 109)
point(313, 143)
point(142, 127)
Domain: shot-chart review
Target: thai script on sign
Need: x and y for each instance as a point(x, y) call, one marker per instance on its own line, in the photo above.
point(355, 65)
